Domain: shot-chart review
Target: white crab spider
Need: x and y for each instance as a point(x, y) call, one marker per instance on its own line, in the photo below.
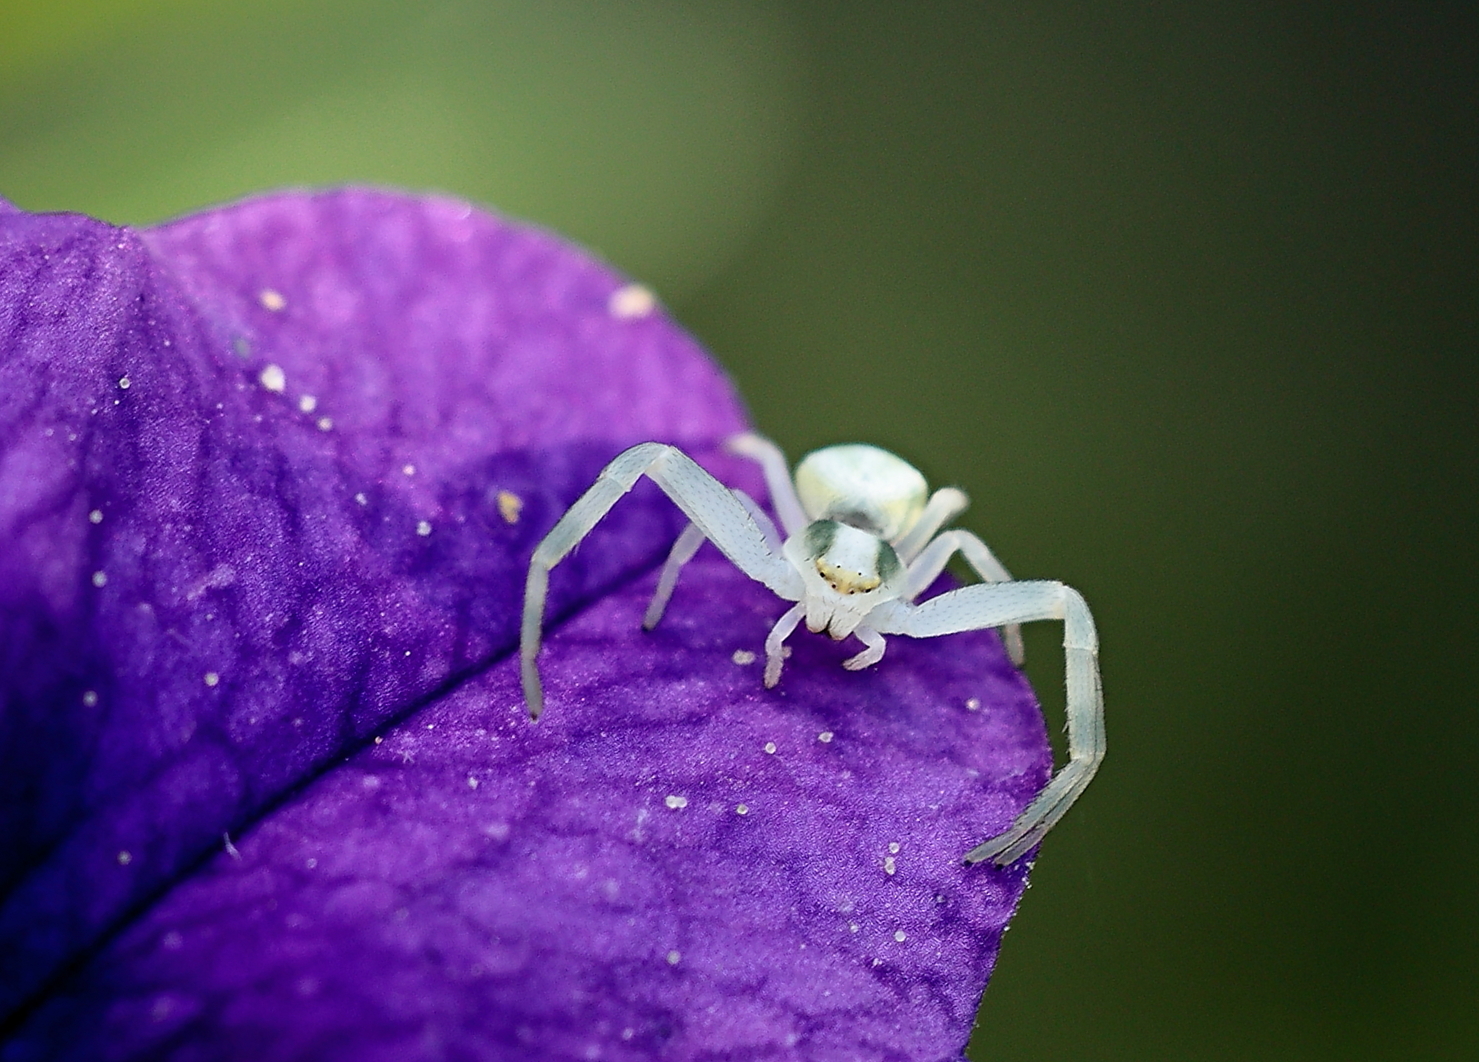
point(860, 545)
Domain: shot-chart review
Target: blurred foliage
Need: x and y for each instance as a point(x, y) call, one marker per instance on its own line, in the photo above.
point(1185, 296)
point(653, 131)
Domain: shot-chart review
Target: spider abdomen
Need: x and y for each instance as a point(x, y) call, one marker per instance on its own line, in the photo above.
point(863, 487)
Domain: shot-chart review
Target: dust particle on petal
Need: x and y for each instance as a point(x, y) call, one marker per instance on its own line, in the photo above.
point(510, 505)
point(631, 302)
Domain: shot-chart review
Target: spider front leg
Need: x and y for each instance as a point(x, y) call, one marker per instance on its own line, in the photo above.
point(712, 507)
point(926, 568)
point(996, 605)
point(687, 545)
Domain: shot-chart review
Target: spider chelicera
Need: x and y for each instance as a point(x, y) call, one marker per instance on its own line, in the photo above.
point(862, 541)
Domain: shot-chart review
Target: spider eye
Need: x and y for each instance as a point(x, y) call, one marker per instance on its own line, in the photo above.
point(845, 580)
point(849, 560)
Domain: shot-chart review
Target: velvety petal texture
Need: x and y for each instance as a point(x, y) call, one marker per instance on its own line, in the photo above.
point(269, 481)
point(251, 477)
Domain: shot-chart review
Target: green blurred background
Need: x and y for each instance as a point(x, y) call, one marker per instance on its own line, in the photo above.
point(1184, 295)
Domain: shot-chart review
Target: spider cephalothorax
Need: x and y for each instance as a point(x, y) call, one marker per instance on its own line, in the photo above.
point(862, 541)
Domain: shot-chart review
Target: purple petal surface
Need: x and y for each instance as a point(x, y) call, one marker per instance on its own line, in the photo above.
point(250, 501)
point(476, 887)
point(255, 588)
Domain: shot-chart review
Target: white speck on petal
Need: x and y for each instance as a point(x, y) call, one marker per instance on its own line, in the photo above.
point(742, 809)
point(123, 383)
point(743, 657)
point(325, 424)
point(825, 736)
point(409, 470)
point(510, 505)
point(472, 783)
point(676, 802)
point(96, 516)
point(125, 858)
point(888, 865)
point(100, 579)
point(893, 846)
point(307, 403)
point(272, 300)
point(631, 301)
point(900, 935)
point(90, 698)
point(423, 528)
point(212, 679)
point(379, 740)
point(273, 378)
point(311, 863)
point(770, 747)
point(974, 704)
point(628, 1033)
point(361, 499)
point(674, 957)
point(853, 926)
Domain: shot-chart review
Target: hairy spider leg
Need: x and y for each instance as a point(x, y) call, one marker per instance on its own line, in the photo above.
point(944, 505)
point(685, 548)
point(926, 568)
point(682, 552)
point(874, 643)
point(777, 478)
point(996, 605)
point(775, 653)
point(711, 505)
point(782, 490)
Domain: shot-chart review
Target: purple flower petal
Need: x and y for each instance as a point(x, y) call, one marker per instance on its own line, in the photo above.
point(590, 887)
point(250, 502)
point(269, 479)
